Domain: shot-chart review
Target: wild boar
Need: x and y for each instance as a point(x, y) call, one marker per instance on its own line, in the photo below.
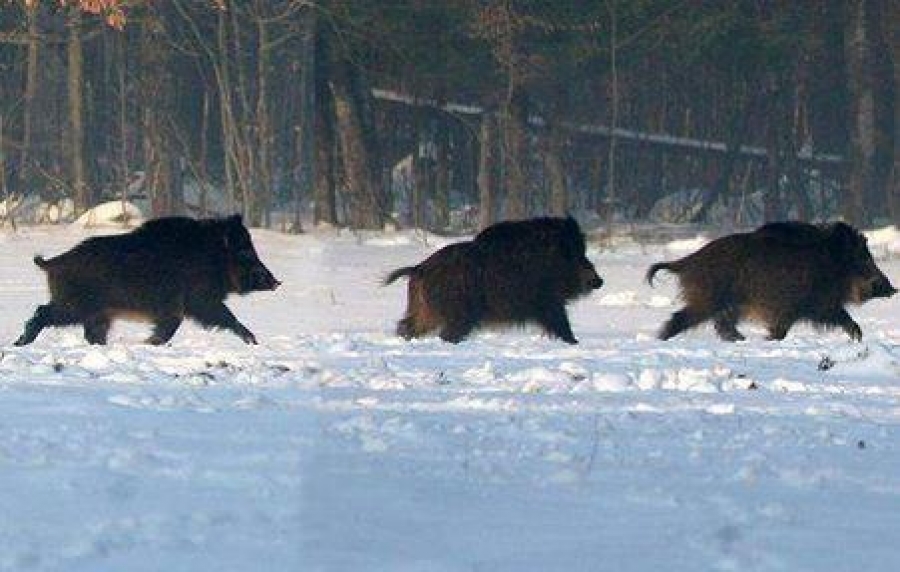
point(163, 271)
point(512, 273)
point(780, 274)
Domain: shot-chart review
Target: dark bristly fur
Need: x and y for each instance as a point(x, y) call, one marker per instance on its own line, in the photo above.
point(782, 273)
point(163, 271)
point(511, 273)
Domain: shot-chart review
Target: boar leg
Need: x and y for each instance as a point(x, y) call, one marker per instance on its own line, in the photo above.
point(726, 325)
point(842, 318)
point(163, 330)
point(779, 328)
point(409, 328)
point(219, 316)
point(682, 320)
point(456, 331)
point(45, 315)
point(556, 323)
point(96, 328)
point(419, 320)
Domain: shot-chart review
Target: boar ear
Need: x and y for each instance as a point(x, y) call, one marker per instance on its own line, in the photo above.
point(842, 233)
point(573, 246)
point(226, 227)
point(843, 240)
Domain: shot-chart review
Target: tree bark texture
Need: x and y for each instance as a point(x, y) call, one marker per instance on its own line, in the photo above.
point(556, 173)
point(366, 201)
point(31, 87)
point(441, 205)
point(488, 169)
point(894, 187)
point(514, 125)
point(82, 192)
point(325, 137)
point(870, 141)
point(161, 161)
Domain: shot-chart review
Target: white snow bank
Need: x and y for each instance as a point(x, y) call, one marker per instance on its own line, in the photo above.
point(686, 246)
point(33, 210)
point(113, 213)
point(884, 242)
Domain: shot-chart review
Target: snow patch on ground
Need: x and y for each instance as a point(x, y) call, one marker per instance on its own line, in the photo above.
point(113, 213)
point(334, 445)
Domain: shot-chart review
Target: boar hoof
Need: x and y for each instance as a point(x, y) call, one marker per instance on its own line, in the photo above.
point(730, 335)
point(405, 329)
point(454, 335)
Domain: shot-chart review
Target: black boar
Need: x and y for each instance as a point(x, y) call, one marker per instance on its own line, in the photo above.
point(780, 274)
point(511, 273)
point(163, 271)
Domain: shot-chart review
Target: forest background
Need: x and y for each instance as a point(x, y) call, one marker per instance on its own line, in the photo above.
point(452, 115)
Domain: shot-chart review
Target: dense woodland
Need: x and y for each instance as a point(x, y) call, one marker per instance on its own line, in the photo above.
point(437, 114)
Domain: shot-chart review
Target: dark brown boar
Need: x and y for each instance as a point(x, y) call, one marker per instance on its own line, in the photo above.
point(780, 274)
point(512, 273)
point(163, 271)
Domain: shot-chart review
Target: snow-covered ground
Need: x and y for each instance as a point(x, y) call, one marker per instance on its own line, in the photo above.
point(334, 445)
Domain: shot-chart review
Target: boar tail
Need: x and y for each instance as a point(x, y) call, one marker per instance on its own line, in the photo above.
point(41, 262)
point(670, 266)
point(405, 271)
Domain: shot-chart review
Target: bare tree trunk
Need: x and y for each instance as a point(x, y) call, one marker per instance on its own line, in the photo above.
point(595, 179)
point(162, 164)
point(366, 199)
point(123, 118)
point(894, 39)
point(442, 177)
point(4, 187)
point(514, 126)
point(488, 169)
point(31, 86)
point(465, 171)
point(203, 152)
point(878, 200)
point(553, 164)
point(431, 174)
point(611, 190)
point(261, 197)
point(793, 170)
point(326, 143)
point(423, 188)
point(772, 207)
point(783, 168)
point(82, 193)
point(230, 139)
point(308, 116)
point(422, 171)
point(244, 150)
point(326, 163)
point(862, 146)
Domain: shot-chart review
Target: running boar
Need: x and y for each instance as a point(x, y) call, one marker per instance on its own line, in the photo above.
point(512, 273)
point(780, 274)
point(163, 271)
